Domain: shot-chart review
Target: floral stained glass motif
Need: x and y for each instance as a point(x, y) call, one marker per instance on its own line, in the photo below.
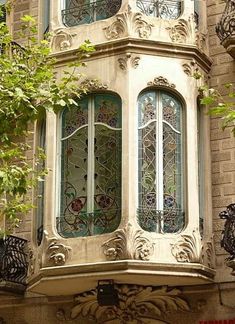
point(160, 163)
point(91, 167)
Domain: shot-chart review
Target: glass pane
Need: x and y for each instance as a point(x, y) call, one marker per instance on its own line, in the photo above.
point(41, 185)
point(74, 167)
point(107, 151)
point(165, 9)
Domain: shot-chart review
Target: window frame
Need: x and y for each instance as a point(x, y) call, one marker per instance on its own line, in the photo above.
point(178, 97)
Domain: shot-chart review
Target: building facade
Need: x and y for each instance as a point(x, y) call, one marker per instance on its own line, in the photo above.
point(127, 229)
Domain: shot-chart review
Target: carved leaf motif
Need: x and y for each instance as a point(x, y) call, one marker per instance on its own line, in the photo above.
point(188, 248)
point(128, 23)
point(135, 303)
point(93, 84)
point(208, 254)
point(128, 243)
point(182, 31)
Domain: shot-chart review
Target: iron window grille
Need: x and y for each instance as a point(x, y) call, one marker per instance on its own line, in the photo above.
point(164, 9)
point(78, 12)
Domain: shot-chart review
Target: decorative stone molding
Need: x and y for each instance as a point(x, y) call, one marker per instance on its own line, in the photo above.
point(57, 253)
point(128, 23)
point(32, 261)
point(191, 68)
point(188, 247)
point(183, 31)
point(137, 304)
point(123, 61)
point(201, 41)
point(62, 40)
point(93, 85)
point(161, 81)
point(128, 243)
point(208, 254)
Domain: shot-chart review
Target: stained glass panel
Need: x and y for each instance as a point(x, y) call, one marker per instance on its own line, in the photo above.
point(91, 167)
point(160, 163)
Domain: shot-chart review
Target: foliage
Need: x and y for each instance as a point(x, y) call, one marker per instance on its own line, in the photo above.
point(221, 105)
point(28, 88)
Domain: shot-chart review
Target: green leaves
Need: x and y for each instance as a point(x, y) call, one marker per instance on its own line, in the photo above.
point(28, 87)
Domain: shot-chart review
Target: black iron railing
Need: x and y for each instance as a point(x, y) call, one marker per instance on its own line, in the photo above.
point(13, 260)
point(161, 221)
point(165, 9)
point(228, 234)
point(226, 26)
point(76, 13)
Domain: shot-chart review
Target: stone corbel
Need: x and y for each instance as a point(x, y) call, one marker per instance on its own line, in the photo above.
point(128, 243)
point(128, 59)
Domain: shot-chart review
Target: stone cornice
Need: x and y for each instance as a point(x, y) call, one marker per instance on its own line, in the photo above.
point(141, 46)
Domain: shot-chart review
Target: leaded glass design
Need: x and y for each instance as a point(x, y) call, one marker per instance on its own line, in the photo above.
point(160, 162)
point(164, 9)
point(91, 167)
point(78, 12)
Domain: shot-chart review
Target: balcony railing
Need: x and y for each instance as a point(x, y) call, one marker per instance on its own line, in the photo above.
point(164, 9)
point(13, 260)
point(225, 29)
point(228, 234)
point(76, 13)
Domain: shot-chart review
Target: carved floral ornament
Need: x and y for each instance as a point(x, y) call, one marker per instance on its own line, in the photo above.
point(137, 304)
point(62, 40)
point(190, 248)
point(94, 85)
point(128, 23)
point(57, 253)
point(183, 31)
point(128, 243)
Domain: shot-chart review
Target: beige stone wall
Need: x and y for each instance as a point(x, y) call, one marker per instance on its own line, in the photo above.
point(222, 142)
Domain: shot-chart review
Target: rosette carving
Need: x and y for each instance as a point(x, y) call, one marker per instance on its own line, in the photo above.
point(161, 81)
point(128, 23)
point(137, 304)
point(188, 247)
point(128, 243)
point(57, 253)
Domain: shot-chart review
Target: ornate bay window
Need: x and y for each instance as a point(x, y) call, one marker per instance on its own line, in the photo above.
point(164, 9)
point(160, 162)
point(91, 167)
point(78, 12)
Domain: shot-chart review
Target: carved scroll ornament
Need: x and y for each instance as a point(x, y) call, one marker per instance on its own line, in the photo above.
point(62, 40)
point(57, 253)
point(183, 31)
point(128, 243)
point(137, 304)
point(128, 23)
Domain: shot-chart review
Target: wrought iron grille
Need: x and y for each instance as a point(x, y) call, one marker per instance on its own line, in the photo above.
point(13, 260)
point(228, 234)
point(88, 224)
point(76, 13)
point(226, 26)
point(165, 9)
point(161, 221)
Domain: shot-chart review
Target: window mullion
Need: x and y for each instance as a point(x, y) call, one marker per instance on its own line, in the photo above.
point(90, 171)
point(159, 158)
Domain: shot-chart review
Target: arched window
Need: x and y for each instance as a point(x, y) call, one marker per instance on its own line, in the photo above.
point(78, 12)
point(91, 167)
point(164, 9)
point(160, 162)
